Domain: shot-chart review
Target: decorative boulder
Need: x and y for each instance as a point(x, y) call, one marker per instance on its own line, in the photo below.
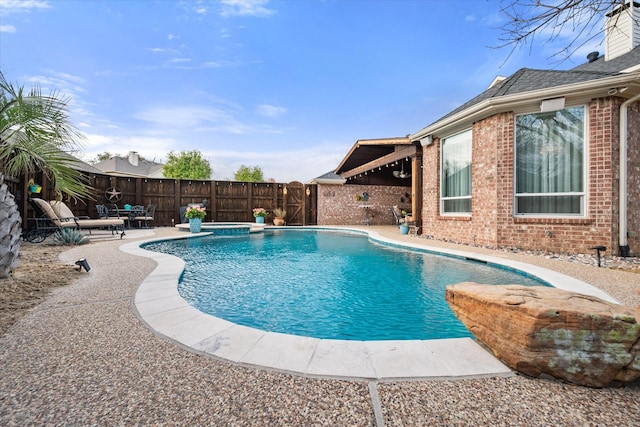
point(541, 330)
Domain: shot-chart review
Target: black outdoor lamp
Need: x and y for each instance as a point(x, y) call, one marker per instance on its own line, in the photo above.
point(598, 249)
point(82, 263)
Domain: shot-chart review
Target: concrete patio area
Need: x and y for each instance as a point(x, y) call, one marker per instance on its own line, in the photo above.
point(87, 356)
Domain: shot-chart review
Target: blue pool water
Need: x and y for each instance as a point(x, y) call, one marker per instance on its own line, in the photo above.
point(326, 284)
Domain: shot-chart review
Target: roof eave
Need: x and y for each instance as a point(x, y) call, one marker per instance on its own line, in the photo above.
point(592, 88)
point(405, 140)
point(328, 181)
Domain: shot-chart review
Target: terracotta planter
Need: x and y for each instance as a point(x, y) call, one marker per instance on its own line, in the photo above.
point(278, 221)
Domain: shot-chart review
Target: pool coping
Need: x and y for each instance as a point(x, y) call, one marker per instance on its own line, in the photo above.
point(159, 305)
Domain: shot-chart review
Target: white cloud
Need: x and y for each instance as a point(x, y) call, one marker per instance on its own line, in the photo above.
point(211, 64)
point(149, 147)
point(270, 111)
point(66, 85)
point(469, 18)
point(177, 117)
point(283, 166)
point(245, 8)
point(22, 6)
point(7, 29)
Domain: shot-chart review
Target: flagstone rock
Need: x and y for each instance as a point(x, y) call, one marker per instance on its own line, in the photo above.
point(541, 330)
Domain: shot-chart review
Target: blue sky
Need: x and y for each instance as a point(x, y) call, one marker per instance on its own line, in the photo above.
point(285, 85)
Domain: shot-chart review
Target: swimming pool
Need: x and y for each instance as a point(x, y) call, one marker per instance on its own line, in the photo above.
point(329, 285)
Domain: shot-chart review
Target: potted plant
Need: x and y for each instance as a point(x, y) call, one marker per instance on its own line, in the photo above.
point(279, 215)
point(195, 214)
point(33, 187)
point(404, 228)
point(259, 214)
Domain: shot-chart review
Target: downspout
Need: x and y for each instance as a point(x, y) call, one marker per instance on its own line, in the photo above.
point(622, 226)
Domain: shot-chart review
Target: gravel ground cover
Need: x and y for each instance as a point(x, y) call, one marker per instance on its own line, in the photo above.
point(82, 357)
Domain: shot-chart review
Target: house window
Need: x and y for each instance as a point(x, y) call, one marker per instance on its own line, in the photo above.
point(550, 163)
point(455, 183)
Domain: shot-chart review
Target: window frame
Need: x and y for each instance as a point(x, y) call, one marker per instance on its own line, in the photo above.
point(442, 199)
point(583, 195)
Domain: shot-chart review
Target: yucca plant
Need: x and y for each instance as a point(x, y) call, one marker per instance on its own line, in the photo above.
point(279, 213)
point(35, 135)
point(69, 237)
point(10, 228)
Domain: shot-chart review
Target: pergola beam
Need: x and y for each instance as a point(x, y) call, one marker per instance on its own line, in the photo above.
point(402, 153)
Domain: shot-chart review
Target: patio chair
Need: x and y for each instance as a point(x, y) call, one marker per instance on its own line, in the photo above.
point(397, 214)
point(103, 212)
point(401, 216)
point(142, 214)
point(56, 216)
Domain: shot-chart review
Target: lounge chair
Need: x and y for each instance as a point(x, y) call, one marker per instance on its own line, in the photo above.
point(54, 216)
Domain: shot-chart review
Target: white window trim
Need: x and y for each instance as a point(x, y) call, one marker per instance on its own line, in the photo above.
point(443, 199)
point(586, 155)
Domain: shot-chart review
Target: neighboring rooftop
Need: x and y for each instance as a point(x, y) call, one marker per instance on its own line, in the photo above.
point(80, 165)
point(132, 166)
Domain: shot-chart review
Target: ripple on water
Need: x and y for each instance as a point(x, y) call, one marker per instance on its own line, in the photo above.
point(327, 285)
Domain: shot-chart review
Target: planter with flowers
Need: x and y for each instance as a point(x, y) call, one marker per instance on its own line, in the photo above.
point(259, 214)
point(195, 215)
point(33, 187)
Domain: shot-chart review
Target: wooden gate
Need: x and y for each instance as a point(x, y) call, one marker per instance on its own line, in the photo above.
point(294, 203)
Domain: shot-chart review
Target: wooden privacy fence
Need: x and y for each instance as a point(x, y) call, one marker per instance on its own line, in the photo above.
point(229, 201)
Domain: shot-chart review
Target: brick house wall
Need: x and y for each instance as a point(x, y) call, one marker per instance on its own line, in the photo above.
point(337, 204)
point(492, 223)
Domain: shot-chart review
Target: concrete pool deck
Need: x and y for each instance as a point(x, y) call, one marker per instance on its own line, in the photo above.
point(161, 307)
point(84, 357)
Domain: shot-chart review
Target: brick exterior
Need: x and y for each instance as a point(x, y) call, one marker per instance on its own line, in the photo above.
point(492, 222)
point(337, 204)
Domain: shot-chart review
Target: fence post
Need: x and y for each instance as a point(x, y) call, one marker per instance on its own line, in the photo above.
point(212, 197)
point(177, 198)
point(139, 196)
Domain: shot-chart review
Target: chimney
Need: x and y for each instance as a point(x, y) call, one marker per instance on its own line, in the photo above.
point(622, 29)
point(133, 158)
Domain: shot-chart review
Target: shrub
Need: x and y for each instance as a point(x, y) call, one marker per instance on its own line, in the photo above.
point(69, 237)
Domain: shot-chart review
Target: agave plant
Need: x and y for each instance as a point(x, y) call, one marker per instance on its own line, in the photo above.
point(69, 236)
point(35, 136)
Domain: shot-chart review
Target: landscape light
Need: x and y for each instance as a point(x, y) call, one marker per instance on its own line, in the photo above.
point(82, 263)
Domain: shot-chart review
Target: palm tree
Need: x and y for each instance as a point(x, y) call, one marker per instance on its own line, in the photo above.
point(35, 135)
